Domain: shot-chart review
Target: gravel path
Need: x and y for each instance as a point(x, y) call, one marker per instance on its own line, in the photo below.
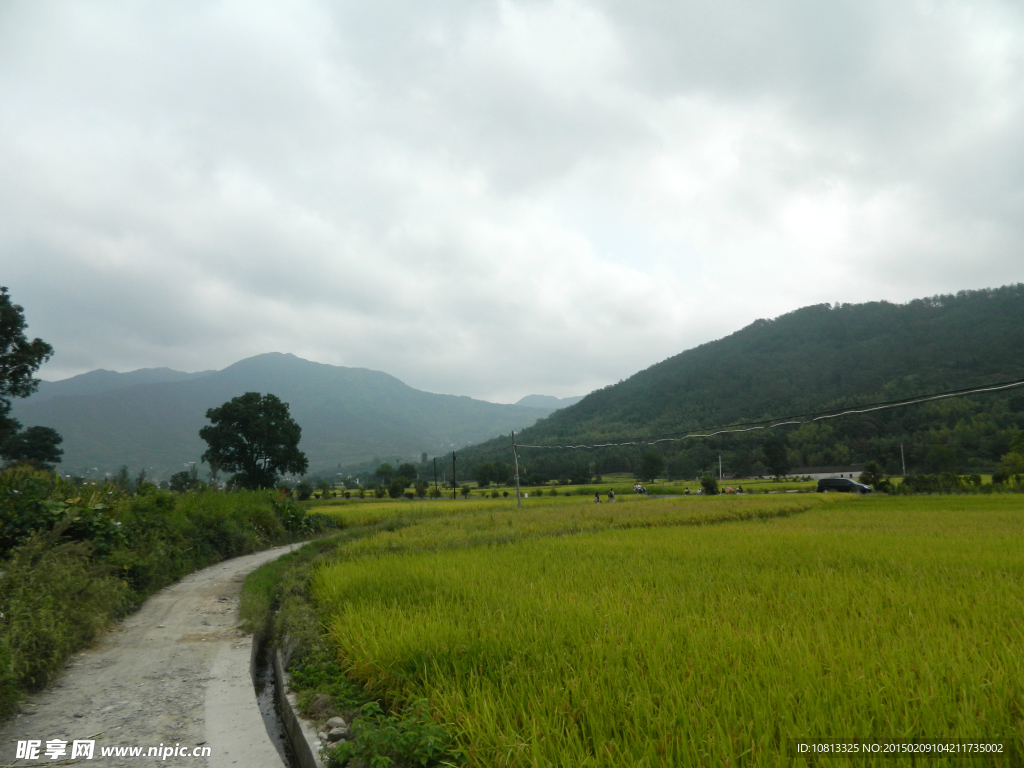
point(174, 672)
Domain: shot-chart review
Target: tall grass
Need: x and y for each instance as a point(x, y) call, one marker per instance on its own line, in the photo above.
point(72, 562)
point(697, 645)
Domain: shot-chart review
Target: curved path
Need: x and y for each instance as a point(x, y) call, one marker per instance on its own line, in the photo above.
point(174, 672)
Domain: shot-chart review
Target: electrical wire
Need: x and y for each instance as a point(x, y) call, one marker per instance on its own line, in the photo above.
point(804, 418)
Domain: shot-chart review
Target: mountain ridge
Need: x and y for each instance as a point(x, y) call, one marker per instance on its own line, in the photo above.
point(817, 357)
point(348, 415)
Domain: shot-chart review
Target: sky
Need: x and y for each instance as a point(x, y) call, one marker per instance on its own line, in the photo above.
point(494, 198)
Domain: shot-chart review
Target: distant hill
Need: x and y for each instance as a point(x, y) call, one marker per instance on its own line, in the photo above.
point(152, 418)
point(813, 358)
point(548, 402)
point(101, 380)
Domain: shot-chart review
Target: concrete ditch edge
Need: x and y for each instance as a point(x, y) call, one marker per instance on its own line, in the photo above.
point(304, 740)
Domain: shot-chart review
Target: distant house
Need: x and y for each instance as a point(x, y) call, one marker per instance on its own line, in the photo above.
point(819, 473)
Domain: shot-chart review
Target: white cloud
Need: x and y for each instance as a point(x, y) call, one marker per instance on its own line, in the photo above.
point(493, 198)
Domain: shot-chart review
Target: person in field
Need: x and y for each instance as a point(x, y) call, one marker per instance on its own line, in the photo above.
point(611, 495)
point(597, 497)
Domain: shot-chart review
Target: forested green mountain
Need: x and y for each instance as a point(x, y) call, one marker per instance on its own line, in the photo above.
point(814, 358)
point(347, 415)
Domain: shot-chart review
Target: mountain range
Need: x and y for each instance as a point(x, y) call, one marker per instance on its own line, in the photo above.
point(151, 418)
point(815, 358)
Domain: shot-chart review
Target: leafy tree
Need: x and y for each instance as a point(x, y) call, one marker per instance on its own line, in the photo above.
point(19, 359)
point(186, 480)
point(325, 489)
point(385, 473)
point(709, 484)
point(396, 487)
point(408, 471)
point(304, 490)
point(484, 474)
point(776, 456)
point(421, 488)
point(465, 491)
point(651, 465)
point(36, 446)
point(123, 478)
point(254, 436)
point(1012, 464)
point(941, 458)
point(872, 474)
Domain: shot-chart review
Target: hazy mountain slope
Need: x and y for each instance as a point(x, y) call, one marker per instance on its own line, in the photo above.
point(810, 358)
point(347, 415)
point(101, 380)
point(817, 357)
point(548, 401)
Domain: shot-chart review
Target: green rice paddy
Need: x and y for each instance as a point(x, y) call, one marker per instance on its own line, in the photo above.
point(693, 631)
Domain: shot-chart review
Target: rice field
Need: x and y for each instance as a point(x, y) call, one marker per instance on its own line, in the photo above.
point(639, 634)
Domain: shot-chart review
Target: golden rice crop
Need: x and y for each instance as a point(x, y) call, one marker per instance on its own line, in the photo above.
point(668, 644)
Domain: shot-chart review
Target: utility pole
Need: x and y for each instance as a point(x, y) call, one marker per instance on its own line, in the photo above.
point(435, 474)
point(719, 467)
point(515, 455)
point(903, 460)
point(453, 475)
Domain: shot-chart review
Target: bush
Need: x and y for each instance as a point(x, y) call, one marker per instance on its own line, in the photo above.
point(947, 482)
point(304, 490)
point(74, 562)
point(709, 484)
point(412, 738)
point(396, 488)
point(54, 601)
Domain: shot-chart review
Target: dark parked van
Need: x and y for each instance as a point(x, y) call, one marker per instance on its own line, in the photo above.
point(842, 485)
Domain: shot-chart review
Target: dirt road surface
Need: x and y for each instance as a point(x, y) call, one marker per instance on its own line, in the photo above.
point(176, 672)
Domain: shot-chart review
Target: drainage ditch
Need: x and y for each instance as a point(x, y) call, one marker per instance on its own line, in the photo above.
point(263, 680)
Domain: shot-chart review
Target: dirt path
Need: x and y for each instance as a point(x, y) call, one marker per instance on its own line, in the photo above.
point(174, 672)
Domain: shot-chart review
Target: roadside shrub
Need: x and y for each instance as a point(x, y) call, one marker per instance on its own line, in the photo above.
point(947, 482)
point(411, 738)
point(396, 488)
point(709, 484)
point(54, 601)
point(74, 562)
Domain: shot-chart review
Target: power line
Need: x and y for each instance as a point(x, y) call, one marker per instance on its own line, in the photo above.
point(804, 418)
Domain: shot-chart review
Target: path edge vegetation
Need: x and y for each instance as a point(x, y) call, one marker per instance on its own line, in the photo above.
point(73, 559)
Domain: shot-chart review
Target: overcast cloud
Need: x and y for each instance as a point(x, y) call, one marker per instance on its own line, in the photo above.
point(494, 198)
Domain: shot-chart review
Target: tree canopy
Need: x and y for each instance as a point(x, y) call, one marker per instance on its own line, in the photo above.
point(19, 359)
point(35, 445)
point(255, 437)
